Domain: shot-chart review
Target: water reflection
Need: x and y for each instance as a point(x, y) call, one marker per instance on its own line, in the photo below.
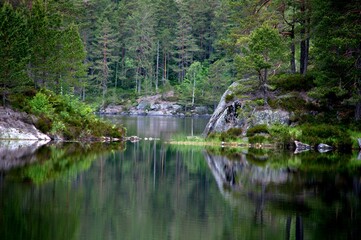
point(150, 190)
point(18, 153)
point(311, 202)
point(160, 126)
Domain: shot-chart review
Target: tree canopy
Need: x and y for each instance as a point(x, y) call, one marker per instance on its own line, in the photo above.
point(105, 51)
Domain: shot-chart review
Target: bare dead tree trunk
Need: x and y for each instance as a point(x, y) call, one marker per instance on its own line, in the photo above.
point(157, 69)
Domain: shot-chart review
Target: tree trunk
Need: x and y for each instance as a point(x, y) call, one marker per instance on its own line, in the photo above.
point(194, 89)
point(358, 111)
point(264, 85)
point(293, 51)
point(164, 78)
point(157, 69)
point(305, 39)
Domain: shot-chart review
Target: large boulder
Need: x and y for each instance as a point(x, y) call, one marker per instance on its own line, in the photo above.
point(18, 126)
point(242, 113)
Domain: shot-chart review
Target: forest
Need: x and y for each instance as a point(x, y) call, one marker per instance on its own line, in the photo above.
point(112, 51)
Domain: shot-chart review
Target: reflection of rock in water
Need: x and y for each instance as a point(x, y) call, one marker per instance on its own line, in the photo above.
point(17, 153)
point(246, 177)
point(241, 173)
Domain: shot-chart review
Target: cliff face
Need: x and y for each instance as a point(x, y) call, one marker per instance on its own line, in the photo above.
point(18, 126)
point(242, 112)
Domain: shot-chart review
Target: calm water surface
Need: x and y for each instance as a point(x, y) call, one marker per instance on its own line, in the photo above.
point(150, 190)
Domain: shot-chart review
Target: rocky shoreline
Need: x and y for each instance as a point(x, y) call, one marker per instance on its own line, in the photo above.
point(156, 106)
point(19, 126)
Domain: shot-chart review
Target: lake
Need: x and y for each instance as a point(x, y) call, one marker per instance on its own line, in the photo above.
point(153, 190)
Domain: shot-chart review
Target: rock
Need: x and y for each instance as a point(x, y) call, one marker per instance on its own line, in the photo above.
point(112, 109)
point(201, 110)
point(322, 148)
point(302, 146)
point(143, 105)
point(16, 125)
point(133, 139)
point(270, 117)
point(239, 114)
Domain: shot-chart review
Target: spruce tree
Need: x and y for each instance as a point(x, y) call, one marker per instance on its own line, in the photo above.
point(14, 50)
point(185, 46)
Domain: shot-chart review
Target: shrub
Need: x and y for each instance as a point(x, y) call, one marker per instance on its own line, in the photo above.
point(293, 82)
point(257, 139)
point(329, 134)
point(262, 128)
point(67, 116)
point(44, 124)
point(40, 104)
point(229, 98)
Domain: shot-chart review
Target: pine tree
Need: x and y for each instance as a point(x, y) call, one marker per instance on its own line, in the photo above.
point(166, 14)
point(45, 39)
point(14, 49)
point(73, 69)
point(104, 55)
point(141, 44)
point(184, 43)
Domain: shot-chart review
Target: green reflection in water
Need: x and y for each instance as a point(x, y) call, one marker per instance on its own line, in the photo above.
point(157, 191)
point(313, 195)
point(62, 160)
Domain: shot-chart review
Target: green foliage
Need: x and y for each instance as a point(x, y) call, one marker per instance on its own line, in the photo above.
point(262, 128)
point(263, 49)
point(61, 162)
point(229, 98)
point(258, 139)
point(293, 82)
point(291, 102)
point(329, 134)
point(40, 105)
point(68, 117)
point(14, 49)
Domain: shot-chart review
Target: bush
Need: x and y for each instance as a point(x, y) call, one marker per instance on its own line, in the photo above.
point(262, 128)
point(329, 134)
point(40, 104)
point(293, 82)
point(67, 116)
point(257, 139)
point(229, 98)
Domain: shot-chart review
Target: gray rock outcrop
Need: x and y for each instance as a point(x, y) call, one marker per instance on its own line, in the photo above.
point(240, 113)
point(18, 126)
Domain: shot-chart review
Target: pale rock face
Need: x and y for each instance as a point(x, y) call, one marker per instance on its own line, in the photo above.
point(18, 126)
point(234, 114)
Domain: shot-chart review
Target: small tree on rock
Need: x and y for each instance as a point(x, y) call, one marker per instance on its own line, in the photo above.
point(261, 51)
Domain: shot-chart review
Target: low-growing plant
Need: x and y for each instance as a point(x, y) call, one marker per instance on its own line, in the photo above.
point(329, 134)
point(40, 104)
point(293, 82)
point(229, 98)
point(262, 128)
point(69, 117)
point(258, 139)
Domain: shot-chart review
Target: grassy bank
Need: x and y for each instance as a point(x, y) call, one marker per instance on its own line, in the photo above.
point(279, 136)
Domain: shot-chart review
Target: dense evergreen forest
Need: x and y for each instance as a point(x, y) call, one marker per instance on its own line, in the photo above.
point(109, 51)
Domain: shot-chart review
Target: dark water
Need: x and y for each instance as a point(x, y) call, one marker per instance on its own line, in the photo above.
point(150, 190)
